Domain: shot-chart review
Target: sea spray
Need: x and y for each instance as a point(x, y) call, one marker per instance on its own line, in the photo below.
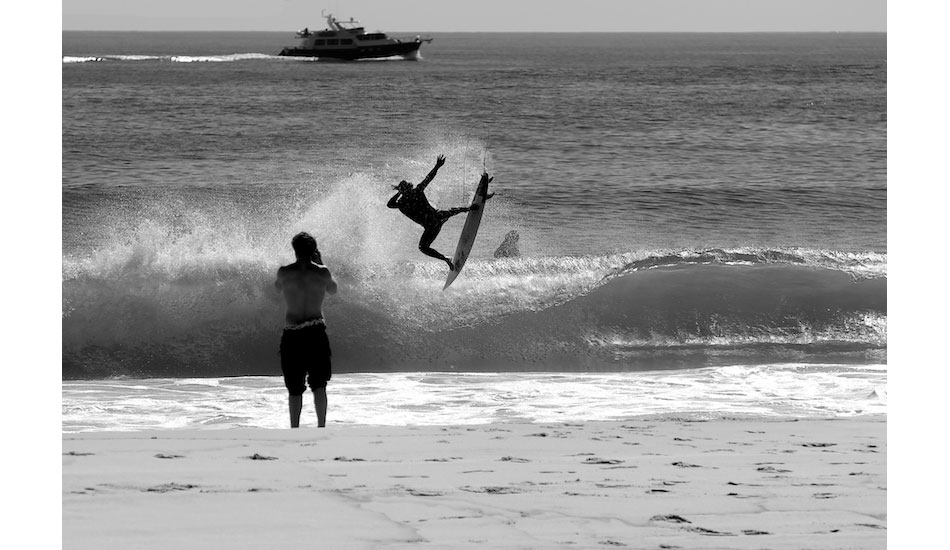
point(179, 282)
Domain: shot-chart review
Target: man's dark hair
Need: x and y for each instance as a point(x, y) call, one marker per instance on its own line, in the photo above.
point(304, 245)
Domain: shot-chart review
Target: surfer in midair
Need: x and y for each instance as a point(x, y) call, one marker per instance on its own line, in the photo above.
point(411, 201)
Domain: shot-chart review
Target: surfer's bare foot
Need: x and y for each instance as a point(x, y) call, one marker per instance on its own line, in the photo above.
point(451, 267)
point(488, 196)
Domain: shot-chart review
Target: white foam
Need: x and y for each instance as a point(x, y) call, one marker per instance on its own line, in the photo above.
point(226, 58)
point(219, 58)
point(80, 59)
point(417, 398)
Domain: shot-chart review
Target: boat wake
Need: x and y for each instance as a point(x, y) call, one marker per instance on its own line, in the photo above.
point(227, 58)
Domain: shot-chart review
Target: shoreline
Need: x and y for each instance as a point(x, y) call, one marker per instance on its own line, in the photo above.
point(642, 483)
point(457, 398)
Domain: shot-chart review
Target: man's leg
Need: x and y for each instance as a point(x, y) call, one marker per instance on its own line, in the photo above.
point(296, 404)
point(320, 401)
point(454, 211)
point(293, 378)
point(425, 243)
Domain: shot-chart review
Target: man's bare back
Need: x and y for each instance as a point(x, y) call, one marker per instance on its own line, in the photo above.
point(304, 286)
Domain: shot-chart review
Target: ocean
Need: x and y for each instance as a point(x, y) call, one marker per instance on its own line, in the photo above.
point(702, 222)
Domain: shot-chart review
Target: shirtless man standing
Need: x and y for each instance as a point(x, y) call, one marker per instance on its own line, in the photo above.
point(304, 346)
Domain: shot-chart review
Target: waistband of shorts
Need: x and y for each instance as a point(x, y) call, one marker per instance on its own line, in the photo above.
point(319, 322)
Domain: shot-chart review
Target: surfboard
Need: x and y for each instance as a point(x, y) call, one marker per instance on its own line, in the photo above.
point(469, 230)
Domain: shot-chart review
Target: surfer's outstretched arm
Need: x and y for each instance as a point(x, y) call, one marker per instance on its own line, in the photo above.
point(438, 164)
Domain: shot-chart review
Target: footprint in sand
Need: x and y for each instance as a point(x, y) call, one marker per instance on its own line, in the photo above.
point(492, 490)
point(672, 518)
point(168, 487)
point(513, 459)
point(709, 532)
point(418, 493)
point(772, 470)
point(161, 455)
point(256, 456)
point(613, 485)
point(594, 460)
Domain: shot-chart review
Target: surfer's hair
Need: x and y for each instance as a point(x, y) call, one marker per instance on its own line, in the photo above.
point(304, 245)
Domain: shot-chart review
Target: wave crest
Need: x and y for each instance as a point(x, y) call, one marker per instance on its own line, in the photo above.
point(621, 311)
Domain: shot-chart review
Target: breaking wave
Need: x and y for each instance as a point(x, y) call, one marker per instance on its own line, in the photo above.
point(192, 317)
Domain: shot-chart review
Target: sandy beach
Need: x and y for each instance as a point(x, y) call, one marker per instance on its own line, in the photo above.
point(643, 483)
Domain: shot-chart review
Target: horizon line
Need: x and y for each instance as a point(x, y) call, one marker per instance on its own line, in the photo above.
point(521, 31)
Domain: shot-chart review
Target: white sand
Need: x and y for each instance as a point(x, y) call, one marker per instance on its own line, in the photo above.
point(642, 484)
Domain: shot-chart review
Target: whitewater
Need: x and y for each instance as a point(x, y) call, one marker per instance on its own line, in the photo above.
point(460, 398)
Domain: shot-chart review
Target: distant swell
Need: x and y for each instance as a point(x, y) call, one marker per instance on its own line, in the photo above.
point(131, 317)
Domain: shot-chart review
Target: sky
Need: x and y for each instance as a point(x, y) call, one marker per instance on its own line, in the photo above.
point(482, 15)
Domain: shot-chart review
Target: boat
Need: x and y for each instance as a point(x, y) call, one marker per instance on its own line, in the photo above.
point(348, 40)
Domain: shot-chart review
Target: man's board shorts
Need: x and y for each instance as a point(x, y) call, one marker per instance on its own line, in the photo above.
point(305, 356)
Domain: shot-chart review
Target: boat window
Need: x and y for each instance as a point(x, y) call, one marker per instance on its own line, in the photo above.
point(319, 42)
point(332, 42)
point(372, 36)
point(346, 41)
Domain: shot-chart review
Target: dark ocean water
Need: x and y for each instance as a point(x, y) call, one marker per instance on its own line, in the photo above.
point(683, 201)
